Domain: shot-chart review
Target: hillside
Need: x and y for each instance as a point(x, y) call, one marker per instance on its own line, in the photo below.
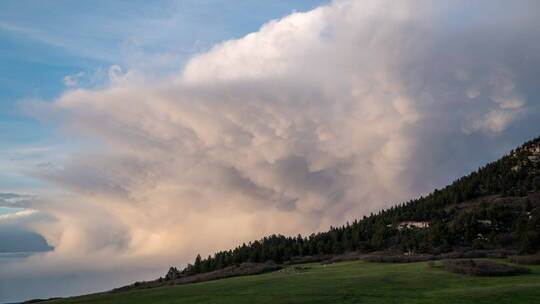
point(347, 282)
point(498, 206)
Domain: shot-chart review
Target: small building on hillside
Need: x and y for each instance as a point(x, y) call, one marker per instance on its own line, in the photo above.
point(484, 222)
point(412, 224)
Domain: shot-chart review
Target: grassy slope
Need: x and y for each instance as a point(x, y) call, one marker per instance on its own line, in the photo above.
point(347, 282)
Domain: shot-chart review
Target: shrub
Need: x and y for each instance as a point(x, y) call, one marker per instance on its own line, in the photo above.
point(382, 258)
point(500, 253)
point(348, 256)
point(525, 259)
point(173, 274)
point(474, 254)
point(308, 259)
point(482, 268)
point(451, 255)
point(495, 253)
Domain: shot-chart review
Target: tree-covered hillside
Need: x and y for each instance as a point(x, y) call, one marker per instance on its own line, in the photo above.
point(498, 206)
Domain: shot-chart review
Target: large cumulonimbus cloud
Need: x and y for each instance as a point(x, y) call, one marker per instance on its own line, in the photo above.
point(317, 118)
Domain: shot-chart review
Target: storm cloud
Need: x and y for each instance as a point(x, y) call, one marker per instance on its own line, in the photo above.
point(318, 118)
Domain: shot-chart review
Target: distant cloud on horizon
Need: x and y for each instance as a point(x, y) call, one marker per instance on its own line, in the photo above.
point(317, 118)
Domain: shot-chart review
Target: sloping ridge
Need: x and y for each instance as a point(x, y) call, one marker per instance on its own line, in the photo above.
point(496, 207)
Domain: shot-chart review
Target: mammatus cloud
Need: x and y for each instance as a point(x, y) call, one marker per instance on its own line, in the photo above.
point(317, 118)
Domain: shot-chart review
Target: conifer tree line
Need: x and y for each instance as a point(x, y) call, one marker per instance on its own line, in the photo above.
point(512, 220)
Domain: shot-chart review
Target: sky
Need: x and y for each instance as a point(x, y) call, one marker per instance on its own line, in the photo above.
point(134, 136)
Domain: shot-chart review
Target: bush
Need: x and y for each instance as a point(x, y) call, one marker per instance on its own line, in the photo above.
point(482, 268)
point(308, 259)
point(173, 274)
point(382, 258)
point(500, 253)
point(451, 255)
point(525, 259)
point(472, 254)
point(348, 256)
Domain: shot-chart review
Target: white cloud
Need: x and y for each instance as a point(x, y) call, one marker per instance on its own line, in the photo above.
point(73, 80)
point(17, 214)
point(317, 118)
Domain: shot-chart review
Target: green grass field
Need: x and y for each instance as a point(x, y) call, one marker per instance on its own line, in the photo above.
point(346, 282)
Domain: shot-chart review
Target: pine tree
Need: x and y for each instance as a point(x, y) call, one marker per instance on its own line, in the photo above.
point(197, 265)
